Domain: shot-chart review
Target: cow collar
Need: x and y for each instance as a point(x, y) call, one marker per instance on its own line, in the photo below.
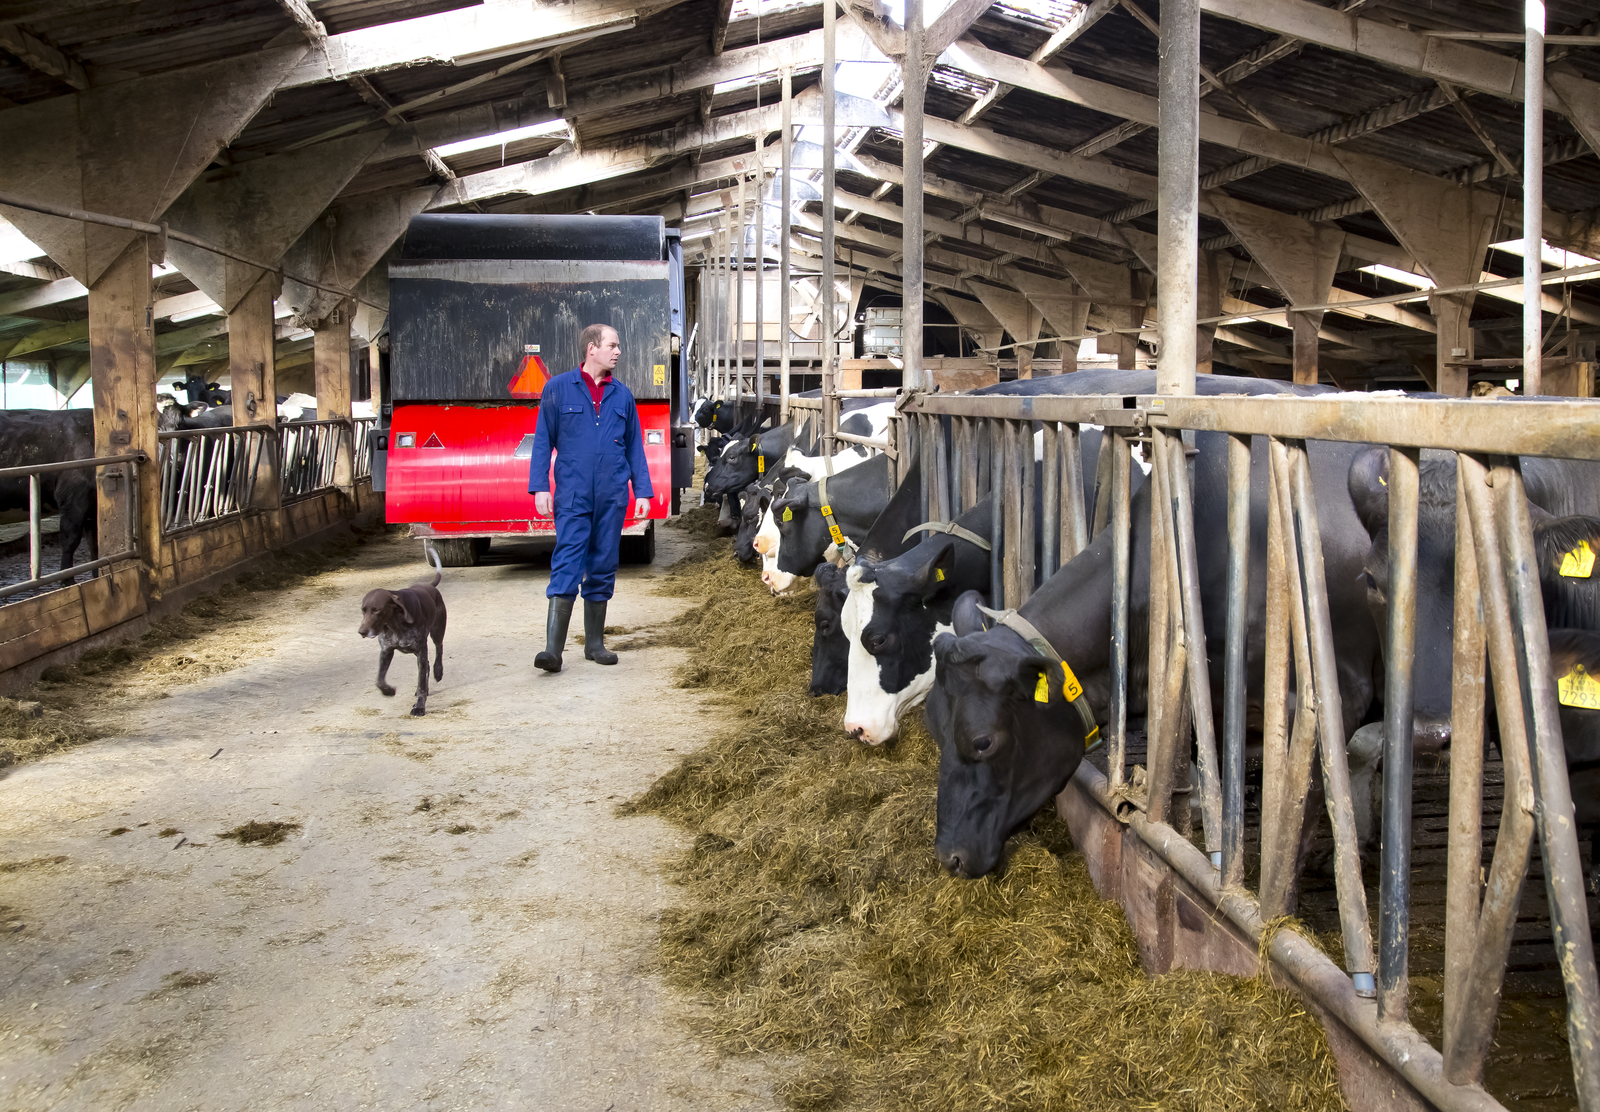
point(1070, 687)
point(948, 527)
point(847, 547)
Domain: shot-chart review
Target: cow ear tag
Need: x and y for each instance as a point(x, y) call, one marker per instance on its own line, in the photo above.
point(788, 513)
point(1041, 690)
point(938, 573)
point(1578, 563)
point(1578, 689)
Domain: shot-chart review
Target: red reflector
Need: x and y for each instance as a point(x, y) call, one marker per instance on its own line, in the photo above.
point(432, 441)
point(530, 379)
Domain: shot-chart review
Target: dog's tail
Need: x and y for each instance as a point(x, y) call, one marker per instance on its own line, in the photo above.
point(438, 566)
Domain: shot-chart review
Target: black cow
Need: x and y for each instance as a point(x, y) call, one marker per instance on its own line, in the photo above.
point(1003, 754)
point(1557, 491)
point(856, 496)
point(218, 417)
point(197, 389)
point(1575, 656)
point(830, 649)
point(35, 436)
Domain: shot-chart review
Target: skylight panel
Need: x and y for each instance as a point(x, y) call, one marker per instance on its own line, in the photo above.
point(1558, 257)
point(1050, 15)
point(504, 138)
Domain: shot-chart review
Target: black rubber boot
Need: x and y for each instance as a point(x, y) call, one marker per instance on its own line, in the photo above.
point(594, 633)
point(555, 632)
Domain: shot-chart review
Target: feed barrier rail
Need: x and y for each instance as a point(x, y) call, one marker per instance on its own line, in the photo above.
point(112, 475)
point(362, 449)
point(310, 455)
point(973, 448)
point(208, 474)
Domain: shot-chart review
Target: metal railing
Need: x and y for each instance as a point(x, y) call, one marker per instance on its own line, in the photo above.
point(364, 429)
point(128, 489)
point(208, 474)
point(975, 448)
point(310, 455)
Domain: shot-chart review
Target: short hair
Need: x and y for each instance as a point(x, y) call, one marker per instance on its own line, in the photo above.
point(594, 334)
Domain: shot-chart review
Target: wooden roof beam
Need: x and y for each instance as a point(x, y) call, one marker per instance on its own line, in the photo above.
point(39, 55)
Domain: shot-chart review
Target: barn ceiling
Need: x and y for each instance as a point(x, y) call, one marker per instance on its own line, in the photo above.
point(1041, 161)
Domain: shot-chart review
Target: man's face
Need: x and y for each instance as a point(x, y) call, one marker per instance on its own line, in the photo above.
point(606, 353)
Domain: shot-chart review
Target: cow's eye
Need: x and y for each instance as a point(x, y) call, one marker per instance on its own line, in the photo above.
point(1372, 584)
point(874, 642)
point(982, 744)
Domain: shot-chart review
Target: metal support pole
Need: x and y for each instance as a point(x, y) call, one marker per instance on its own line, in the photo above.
point(786, 145)
point(34, 539)
point(1532, 196)
point(830, 403)
point(738, 299)
point(1394, 874)
point(914, 74)
point(1235, 683)
point(759, 220)
point(1178, 196)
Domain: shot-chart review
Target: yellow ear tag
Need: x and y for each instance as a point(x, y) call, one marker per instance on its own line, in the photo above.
point(1579, 563)
point(788, 513)
point(1578, 689)
point(761, 464)
point(1382, 481)
point(1041, 692)
point(1070, 687)
point(938, 573)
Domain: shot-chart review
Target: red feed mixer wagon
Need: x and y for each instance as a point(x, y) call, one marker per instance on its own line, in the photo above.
point(483, 311)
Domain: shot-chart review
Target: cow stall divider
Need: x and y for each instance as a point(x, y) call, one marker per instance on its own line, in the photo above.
point(113, 476)
point(976, 447)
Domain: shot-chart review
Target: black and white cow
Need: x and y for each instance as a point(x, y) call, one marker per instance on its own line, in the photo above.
point(794, 536)
point(830, 649)
point(896, 607)
point(1004, 753)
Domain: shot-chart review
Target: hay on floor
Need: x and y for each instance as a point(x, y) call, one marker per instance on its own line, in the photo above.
point(818, 922)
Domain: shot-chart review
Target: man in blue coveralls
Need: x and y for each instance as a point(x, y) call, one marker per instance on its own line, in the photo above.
point(589, 420)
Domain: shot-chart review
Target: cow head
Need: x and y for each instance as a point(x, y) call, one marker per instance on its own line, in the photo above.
point(1003, 754)
point(788, 524)
point(891, 625)
point(755, 499)
point(829, 646)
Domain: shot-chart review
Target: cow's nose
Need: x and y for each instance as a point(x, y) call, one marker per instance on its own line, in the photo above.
point(1430, 735)
point(954, 863)
point(855, 731)
point(761, 545)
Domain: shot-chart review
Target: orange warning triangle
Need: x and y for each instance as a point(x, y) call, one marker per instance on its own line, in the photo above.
point(530, 379)
point(433, 441)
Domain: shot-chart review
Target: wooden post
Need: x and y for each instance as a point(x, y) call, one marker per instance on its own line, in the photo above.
point(253, 378)
point(122, 362)
point(330, 355)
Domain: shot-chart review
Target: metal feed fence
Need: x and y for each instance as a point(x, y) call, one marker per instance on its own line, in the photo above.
point(113, 475)
point(310, 455)
point(208, 474)
point(974, 448)
point(363, 428)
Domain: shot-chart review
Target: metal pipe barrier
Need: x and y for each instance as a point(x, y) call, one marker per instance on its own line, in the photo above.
point(208, 474)
point(971, 448)
point(310, 455)
point(363, 428)
point(129, 492)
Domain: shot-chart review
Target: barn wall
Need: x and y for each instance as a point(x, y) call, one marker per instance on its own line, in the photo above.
point(62, 625)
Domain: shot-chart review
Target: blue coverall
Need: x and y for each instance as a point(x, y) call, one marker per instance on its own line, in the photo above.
point(598, 451)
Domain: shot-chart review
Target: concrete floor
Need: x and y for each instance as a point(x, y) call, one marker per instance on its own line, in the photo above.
point(459, 922)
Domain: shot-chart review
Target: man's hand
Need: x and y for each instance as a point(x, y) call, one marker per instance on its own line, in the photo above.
point(641, 508)
point(541, 503)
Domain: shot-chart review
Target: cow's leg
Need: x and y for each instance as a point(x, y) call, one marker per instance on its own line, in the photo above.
point(384, 657)
point(420, 707)
point(1366, 783)
point(438, 652)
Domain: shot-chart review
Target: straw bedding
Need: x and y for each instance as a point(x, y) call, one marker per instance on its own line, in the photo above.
point(817, 921)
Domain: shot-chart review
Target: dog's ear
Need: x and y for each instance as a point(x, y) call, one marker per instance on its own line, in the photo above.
point(405, 611)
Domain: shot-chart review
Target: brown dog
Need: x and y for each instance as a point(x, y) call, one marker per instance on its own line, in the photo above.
point(405, 620)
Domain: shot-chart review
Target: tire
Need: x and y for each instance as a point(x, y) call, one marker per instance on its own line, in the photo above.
point(462, 553)
point(642, 549)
